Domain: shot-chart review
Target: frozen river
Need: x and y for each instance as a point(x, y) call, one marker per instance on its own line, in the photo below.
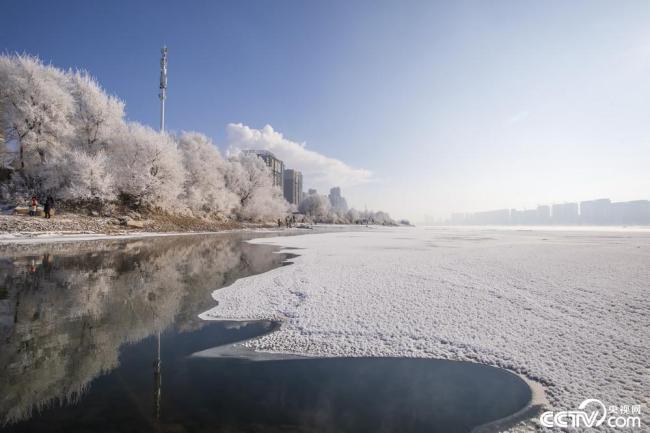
point(568, 308)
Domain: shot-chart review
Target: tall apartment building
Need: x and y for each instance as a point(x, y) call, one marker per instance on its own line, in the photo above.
point(274, 164)
point(631, 212)
point(565, 213)
point(338, 202)
point(596, 211)
point(292, 186)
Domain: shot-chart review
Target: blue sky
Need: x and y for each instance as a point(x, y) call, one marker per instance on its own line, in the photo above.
point(449, 105)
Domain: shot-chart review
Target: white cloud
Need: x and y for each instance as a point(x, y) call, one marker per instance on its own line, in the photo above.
point(319, 171)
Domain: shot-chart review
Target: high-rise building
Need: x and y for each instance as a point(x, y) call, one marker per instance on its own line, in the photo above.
point(312, 191)
point(596, 211)
point(565, 213)
point(293, 186)
point(492, 217)
point(274, 164)
point(338, 202)
point(631, 212)
point(543, 214)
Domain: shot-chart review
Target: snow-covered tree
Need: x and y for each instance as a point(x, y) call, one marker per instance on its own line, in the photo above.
point(96, 115)
point(36, 110)
point(249, 178)
point(316, 206)
point(88, 178)
point(205, 184)
point(352, 216)
point(147, 168)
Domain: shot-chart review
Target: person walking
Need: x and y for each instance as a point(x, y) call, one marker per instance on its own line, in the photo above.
point(49, 204)
point(32, 212)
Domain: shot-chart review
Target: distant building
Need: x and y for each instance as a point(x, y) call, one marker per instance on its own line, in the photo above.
point(293, 186)
point(312, 191)
point(274, 164)
point(543, 214)
point(631, 212)
point(529, 216)
point(565, 213)
point(516, 217)
point(338, 202)
point(491, 217)
point(596, 211)
point(457, 218)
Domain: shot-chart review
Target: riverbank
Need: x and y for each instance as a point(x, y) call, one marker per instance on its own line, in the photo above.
point(76, 227)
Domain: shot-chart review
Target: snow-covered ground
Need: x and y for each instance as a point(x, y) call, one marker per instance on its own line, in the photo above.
point(567, 308)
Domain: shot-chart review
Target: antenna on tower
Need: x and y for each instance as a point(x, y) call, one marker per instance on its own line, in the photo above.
point(163, 86)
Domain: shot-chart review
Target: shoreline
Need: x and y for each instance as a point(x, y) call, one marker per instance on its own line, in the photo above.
point(60, 237)
point(18, 229)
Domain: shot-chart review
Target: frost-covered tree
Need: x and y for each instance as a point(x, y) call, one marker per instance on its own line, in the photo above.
point(87, 178)
point(249, 178)
point(205, 183)
point(352, 216)
point(147, 168)
point(96, 115)
point(316, 206)
point(36, 110)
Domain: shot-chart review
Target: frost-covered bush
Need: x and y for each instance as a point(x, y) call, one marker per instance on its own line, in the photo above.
point(96, 115)
point(88, 178)
point(36, 111)
point(249, 178)
point(147, 168)
point(316, 206)
point(205, 190)
point(353, 216)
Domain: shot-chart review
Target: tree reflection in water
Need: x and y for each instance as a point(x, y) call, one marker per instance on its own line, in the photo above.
point(66, 309)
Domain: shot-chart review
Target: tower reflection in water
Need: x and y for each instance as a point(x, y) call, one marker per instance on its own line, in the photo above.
point(67, 309)
point(157, 377)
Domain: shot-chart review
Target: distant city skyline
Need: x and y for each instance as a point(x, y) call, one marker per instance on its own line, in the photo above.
point(414, 107)
point(602, 211)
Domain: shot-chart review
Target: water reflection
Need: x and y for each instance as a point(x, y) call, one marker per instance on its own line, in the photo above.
point(66, 309)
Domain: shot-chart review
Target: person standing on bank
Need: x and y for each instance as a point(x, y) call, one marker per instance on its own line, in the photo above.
point(49, 204)
point(32, 212)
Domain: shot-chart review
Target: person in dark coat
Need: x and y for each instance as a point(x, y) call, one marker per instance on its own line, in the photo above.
point(49, 204)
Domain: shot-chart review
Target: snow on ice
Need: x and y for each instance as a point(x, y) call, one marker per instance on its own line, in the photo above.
point(567, 308)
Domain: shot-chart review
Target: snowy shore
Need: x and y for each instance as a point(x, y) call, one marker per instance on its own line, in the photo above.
point(20, 229)
point(566, 308)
